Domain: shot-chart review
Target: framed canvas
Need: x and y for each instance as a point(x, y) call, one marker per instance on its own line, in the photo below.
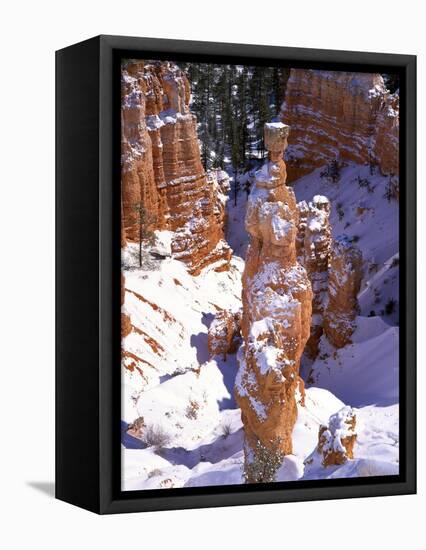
point(236, 282)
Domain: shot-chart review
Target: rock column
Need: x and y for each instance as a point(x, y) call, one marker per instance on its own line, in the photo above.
point(317, 244)
point(345, 276)
point(276, 316)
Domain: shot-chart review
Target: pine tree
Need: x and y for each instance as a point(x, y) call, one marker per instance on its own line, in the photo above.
point(144, 221)
point(226, 99)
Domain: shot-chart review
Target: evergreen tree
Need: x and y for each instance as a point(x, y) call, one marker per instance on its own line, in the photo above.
point(144, 221)
point(232, 104)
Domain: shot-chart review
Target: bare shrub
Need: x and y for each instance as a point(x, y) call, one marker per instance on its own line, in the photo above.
point(156, 436)
point(226, 429)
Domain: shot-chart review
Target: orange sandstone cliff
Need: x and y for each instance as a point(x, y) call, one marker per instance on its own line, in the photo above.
point(276, 316)
point(344, 115)
point(161, 166)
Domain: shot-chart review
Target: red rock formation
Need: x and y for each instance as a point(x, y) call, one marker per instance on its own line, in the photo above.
point(317, 244)
point(345, 274)
point(137, 427)
point(224, 332)
point(276, 318)
point(336, 441)
point(303, 210)
point(340, 114)
point(161, 165)
point(126, 325)
point(137, 174)
point(386, 138)
point(219, 181)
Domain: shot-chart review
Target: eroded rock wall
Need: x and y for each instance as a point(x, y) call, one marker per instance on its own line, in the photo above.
point(276, 316)
point(344, 115)
point(317, 245)
point(345, 275)
point(223, 334)
point(162, 169)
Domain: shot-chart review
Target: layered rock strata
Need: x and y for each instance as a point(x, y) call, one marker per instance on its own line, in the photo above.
point(345, 115)
point(276, 317)
point(385, 143)
point(345, 274)
point(317, 245)
point(162, 171)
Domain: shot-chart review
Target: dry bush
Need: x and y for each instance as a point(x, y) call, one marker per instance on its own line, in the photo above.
point(226, 429)
point(192, 410)
point(156, 436)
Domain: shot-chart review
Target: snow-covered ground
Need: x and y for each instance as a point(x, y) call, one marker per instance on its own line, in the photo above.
point(180, 392)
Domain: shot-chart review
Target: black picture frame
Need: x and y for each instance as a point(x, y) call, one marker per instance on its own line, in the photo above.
point(88, 275)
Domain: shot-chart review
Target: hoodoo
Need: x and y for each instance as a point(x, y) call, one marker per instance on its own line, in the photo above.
point(336, 440)
point(317, 244)
point(345, 276)
point(276, 316)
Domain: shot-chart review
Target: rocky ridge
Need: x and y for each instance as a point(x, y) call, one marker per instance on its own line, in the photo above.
point(162, 171)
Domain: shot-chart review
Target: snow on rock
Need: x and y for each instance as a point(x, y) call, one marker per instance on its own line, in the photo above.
point(337, 439)
point(224, 333)
point(365, 372)
point(170, 311)
point(375, 451)
point(171, 382)
point(336, 114)
point(162, 174)
point(276, 314)
point(316, 248)
point(344, 282)
point(303, 210)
